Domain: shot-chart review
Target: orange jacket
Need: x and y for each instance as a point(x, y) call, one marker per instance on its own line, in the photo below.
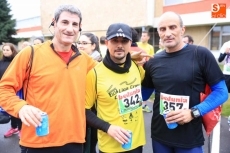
point(54, 87)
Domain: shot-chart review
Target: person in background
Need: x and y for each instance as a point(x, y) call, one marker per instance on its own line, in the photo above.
point(103, 46)
point(188, 39)
point(225, 56)
point(8, 53)
point(88, 43)
point(179, 74)
point(24, 44)
point(135, 48)
point(145, 36)
point(56, 86)
point(161, 47)
point(114, 87)
point(38, 40)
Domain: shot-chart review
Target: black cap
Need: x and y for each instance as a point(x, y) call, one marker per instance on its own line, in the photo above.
point(119, 30)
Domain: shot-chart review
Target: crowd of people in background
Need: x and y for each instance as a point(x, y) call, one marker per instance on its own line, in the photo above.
point(86, 82)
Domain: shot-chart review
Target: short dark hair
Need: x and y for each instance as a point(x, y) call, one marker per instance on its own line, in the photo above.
point(190, 39)
point(102, 40)
point(135, 37)
point(94, 40)
point(144, 31)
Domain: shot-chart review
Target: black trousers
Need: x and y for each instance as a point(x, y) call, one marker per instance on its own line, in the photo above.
point(67, 148)
point(93, 141)
point(227, 80)
point(137, 150)
point(16, 123)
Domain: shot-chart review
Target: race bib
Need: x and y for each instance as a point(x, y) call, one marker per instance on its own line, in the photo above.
point(173, 102)
point(227, 67)
point(129, 100)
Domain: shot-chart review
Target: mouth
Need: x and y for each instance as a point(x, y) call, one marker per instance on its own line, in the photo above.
point(68, 35)
point(168, 40)
point(119, 50)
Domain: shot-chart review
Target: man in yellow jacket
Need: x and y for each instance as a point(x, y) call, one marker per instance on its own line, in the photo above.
point(113, 86)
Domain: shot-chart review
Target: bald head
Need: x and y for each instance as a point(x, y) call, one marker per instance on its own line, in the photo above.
point(172, 15)
point(24, 44)
point(171, 30)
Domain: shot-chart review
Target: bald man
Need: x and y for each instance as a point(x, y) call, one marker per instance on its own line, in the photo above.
point(24, 44)
point(178, 74)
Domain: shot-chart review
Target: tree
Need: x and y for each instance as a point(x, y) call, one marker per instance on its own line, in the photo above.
point(7, 24)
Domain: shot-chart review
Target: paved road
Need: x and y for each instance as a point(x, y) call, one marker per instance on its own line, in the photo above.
point(10, 145)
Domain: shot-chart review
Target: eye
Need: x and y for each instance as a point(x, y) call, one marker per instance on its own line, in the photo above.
point(162, 29)
point(75, 24)
point(65, 22)
point(172, 27)
point(124, 41)
point(114, 40)
point(84, 43)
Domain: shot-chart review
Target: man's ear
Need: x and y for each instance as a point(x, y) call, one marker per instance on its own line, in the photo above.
point(182, 30)
point(106, 43)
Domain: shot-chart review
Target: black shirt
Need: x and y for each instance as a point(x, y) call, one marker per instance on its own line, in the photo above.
point(179, 73)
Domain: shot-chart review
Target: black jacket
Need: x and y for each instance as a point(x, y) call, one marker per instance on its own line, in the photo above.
point(4, 63)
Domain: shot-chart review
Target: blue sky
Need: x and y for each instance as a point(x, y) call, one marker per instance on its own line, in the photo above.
point(23, 9)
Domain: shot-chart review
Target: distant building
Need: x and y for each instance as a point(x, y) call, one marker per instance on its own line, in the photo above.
point(143, 15)
point(28, 28)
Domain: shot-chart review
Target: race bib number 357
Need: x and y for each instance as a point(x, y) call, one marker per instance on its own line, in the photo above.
point(173, 102)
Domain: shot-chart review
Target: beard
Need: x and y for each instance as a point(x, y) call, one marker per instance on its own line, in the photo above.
point(119, 56)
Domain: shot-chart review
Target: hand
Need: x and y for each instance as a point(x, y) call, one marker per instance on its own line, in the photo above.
point(181, 116)
point(119, 134)
point(142, 62)
point(227, 50)
point(30, 115)
point(139, 55)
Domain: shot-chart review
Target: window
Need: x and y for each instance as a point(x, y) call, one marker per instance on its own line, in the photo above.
point(174, 2)
point(219, 35)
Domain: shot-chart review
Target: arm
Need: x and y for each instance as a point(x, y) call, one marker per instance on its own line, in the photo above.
point(147, 86)
point(91, 62)
point(224, 50)
point(118, 133)
point(217, 97)
point(12, 81)
point(91, 97)
point(146, 92)
point(221, 57)
point(96, 122)
point(216, 82)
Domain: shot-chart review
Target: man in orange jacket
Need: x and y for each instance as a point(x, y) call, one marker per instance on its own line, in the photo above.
point(56, 85)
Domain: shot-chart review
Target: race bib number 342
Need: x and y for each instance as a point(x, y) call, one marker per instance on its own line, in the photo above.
point(129, 100)
point(173, 102)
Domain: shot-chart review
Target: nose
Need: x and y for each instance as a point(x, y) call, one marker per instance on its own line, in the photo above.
point(79, 46)
point(69, 27)
point(119, 43)
point(168, 32)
